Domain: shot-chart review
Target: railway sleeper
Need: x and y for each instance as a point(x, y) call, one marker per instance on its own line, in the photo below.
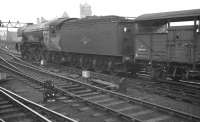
point(74, 89)
point(89, 94)
point(83, 91)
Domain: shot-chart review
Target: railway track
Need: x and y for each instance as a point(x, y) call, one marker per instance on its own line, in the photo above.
point(9, 111)
point(185, 91)
point(130, 109)
point(177, 91)
point(64, 104)
point(14, 108)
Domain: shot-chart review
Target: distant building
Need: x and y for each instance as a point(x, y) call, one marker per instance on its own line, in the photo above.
point(38, 20)
point(41, 20)
point(85, 10)
point(65, 15)
point(12, 36)
point(3, 35)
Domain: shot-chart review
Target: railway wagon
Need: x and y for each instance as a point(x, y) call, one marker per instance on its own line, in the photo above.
point(96, 43)
point(169, 50)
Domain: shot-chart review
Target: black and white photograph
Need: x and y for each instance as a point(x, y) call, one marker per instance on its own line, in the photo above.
point(99, 61)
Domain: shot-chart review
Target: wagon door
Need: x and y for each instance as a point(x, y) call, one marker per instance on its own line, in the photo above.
point(143, 46)
point(151, 46)
point(180, 44)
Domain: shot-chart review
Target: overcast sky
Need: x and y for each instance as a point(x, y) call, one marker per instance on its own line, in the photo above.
point(29, 10)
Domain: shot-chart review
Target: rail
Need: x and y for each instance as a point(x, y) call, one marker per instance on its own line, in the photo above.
point(33, 112)
point(24, 100)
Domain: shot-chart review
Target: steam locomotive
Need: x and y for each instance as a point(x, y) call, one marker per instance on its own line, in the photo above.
point(146, 45)
point(94, 43)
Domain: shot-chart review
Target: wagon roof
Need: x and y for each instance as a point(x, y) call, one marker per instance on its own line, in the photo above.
point(184, 15)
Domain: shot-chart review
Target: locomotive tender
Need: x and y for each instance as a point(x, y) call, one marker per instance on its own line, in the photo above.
point(147, 44)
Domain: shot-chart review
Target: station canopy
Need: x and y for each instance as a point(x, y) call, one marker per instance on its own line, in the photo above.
point(174, 16)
